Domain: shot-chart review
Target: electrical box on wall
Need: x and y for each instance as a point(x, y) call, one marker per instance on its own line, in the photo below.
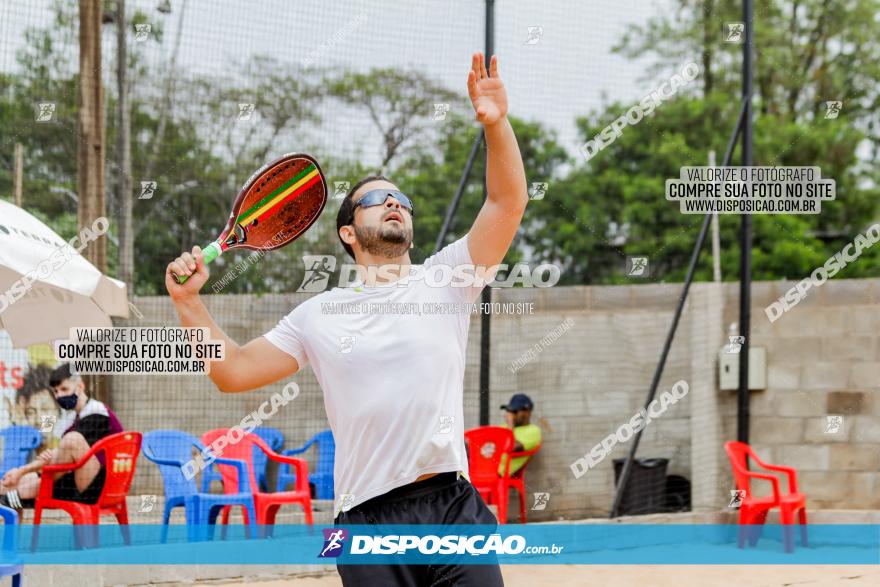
point(728, 368)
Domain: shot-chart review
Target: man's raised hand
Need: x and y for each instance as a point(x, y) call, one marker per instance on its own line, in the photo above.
point(487, 93)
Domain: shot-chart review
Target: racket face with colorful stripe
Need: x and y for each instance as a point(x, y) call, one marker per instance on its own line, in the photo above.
point(275, 206)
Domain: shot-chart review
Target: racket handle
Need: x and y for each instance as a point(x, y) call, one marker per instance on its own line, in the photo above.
point(210, 252)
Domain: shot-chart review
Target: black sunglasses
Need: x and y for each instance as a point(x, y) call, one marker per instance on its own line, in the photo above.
point(379, 197)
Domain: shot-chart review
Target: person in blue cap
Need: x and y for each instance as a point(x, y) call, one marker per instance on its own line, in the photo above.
point(518, 414)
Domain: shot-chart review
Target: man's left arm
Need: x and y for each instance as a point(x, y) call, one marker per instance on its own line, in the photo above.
point(527, 438)
point(507, 191)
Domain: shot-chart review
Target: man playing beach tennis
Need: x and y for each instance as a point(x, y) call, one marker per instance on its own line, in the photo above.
point(392, 381)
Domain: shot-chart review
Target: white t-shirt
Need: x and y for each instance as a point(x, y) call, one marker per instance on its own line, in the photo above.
point(392, 382)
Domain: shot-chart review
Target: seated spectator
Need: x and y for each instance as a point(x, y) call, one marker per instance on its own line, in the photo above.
point(83, 422)
point(517, 414)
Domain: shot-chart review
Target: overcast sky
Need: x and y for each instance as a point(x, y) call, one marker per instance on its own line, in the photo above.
point(563, 75)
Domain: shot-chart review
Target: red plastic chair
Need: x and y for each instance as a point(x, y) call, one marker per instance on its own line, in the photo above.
point(753, 511)
point(517, 479)
point(266, 505)
point(486, 444)
point(121, 451)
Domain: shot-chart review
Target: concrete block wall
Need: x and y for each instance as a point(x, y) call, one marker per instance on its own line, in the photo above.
point(823, 358)
point(588, 382)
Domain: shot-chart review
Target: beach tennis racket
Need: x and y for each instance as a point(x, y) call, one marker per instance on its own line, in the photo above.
point(275, 206)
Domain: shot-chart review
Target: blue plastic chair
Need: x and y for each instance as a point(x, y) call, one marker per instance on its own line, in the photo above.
point(11, 563)
point(18, 444)
point(271, 436)
point(170, 450)
point(322, 478)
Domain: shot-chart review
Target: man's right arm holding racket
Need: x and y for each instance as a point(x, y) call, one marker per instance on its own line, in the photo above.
point(244, 368)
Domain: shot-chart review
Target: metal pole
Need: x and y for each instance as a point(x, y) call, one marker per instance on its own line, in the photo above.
point(658, 372)
point(19, 173)
point(745, 264)
point(453, 206)
point(123, 149)
point(486, 295)
point(716, 237)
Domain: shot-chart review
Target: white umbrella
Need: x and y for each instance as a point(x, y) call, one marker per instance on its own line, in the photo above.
point(47, 286)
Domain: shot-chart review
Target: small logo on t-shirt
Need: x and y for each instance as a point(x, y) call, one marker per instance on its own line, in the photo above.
point(334, 538)
point(446, 423)
point(346, 344)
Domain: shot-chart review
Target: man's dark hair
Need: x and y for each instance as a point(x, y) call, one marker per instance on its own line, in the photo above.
point(345, 216)
point(60, 373)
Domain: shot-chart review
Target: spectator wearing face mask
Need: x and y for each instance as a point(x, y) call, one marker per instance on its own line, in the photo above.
point(83, 422)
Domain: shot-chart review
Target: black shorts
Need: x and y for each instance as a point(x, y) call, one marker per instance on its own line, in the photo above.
point(65, 488)
point(442, 499)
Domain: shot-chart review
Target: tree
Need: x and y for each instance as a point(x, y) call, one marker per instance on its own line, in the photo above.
point(47, 75)
point(623, 186)
point(399, 103)
point(807, 52)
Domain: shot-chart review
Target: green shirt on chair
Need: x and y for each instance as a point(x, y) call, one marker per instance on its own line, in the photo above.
point(529, 436)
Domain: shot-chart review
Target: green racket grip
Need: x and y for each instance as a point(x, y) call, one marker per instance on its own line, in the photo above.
point(210, 252)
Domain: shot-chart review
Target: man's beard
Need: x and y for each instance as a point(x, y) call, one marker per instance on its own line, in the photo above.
point(387, 240)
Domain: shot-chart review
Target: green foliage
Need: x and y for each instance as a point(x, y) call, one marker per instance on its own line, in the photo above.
point(593, 214)
point(623, 185)
point(399, 103)
point(806, 52)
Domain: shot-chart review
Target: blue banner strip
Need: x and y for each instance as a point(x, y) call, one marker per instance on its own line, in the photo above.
point(578, 544)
